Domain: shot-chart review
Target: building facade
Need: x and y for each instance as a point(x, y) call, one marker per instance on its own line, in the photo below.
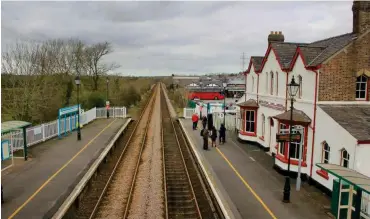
point(331, 108)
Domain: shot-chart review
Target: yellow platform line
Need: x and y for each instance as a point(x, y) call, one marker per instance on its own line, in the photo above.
point(57, 172)
point(246, 184)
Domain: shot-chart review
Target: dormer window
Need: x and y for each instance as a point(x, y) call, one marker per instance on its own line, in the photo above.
point(362, 87)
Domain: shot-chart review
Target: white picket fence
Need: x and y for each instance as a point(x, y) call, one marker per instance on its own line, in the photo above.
point(46, 131)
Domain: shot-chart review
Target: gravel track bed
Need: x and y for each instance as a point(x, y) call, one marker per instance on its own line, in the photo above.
point(147, 197)
point(115, 200)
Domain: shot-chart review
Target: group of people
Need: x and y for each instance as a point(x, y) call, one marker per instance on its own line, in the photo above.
point(206, 133)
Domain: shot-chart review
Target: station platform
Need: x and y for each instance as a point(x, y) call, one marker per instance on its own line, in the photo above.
point(35, 188)
point(247, 184)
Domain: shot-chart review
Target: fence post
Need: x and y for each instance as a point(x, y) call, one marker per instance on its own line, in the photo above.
point(43, 132)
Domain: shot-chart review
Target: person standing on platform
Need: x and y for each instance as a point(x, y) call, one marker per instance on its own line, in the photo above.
point(204, 122)
point(195, 119)
point(205, 136)
point(214, 136)
point(222, 134)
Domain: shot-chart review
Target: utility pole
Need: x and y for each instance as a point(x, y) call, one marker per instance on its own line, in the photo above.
point(245, 77)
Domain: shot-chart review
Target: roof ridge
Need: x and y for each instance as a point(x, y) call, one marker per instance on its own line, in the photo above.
point(329, 38)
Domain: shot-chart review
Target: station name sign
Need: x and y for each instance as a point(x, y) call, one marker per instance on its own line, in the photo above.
point(285, 138)
point(275, 106)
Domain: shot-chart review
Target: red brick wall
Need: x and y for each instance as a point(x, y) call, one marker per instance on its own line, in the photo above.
point(337, 80)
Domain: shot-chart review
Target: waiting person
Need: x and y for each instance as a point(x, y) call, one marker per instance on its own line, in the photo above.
point(204, 122)
point(214, 136)
point(195, 119)
point(222, 134)
point(205, 138)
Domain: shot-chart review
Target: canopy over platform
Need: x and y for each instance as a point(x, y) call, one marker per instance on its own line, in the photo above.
point(348, 175)
point(9, 126)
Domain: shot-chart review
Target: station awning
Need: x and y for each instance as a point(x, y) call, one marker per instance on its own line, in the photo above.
point(13, 125)
point(348, 175)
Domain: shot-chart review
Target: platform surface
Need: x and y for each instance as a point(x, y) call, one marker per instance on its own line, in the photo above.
point(35, 188)
point(249, 185)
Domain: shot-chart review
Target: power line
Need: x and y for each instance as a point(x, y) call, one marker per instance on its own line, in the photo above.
point(243, 62)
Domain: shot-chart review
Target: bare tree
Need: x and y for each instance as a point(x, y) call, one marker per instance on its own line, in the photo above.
point(95, 68)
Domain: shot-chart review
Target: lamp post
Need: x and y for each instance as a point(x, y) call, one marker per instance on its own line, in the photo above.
point(78, 82)
point(107, 99)
point(292, 89)
point(224, 86)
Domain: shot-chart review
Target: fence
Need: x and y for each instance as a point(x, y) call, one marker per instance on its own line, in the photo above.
point(46, 131)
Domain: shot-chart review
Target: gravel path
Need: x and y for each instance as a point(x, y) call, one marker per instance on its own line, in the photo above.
point(114, 201)
point(147, 200)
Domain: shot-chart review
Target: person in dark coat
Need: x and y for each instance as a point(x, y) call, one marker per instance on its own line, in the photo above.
point(204, 122)
point(214, 136)
point(222, 134)
point(205, 138)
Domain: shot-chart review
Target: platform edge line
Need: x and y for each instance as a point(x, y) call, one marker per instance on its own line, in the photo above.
point(85, 179)
point(57, 172)
point(214, 190)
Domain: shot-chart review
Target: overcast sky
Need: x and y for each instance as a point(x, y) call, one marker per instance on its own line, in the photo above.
point(161, 38)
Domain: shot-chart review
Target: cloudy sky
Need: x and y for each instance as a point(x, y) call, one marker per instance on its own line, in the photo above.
point(161, 38)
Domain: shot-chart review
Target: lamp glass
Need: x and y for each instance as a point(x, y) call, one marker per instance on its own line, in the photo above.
point(77, 80)
point(293, 88)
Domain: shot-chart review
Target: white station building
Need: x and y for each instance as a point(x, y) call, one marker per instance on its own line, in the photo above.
point(331, 107)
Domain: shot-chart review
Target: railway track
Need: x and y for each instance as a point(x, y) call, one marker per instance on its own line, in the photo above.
point(152, 175)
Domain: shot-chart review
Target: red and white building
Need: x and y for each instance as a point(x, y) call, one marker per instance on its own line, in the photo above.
point(332, 105)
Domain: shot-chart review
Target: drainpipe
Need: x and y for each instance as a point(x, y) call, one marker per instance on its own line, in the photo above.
point(314, 120)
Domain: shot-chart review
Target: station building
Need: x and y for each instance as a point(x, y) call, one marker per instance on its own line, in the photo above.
point(331, 108)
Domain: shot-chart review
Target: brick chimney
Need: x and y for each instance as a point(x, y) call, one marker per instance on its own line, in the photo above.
point(361, 16)
point(275, 36)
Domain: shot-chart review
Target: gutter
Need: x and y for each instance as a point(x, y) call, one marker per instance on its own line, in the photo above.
point(314, 120)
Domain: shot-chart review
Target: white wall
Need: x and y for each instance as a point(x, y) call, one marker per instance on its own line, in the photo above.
point(252, 84)
point(327, 129)
point(362, 164)
point(308, 80)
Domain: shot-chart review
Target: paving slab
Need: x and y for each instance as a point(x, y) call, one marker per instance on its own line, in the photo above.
point(35, 188)
point(252, 187)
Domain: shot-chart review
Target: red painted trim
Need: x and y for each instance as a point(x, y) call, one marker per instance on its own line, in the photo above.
point(252, 134)
point(314, 121)
point(363, 141)
point(323, 174)
point(292, 162)
point(298, 53)
point(266, 57)
point(244, 132)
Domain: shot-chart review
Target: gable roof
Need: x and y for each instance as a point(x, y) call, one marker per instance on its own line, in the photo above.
point(353, 118)
point(256, 61)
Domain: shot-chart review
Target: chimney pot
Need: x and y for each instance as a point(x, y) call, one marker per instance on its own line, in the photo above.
point(280, 32)
point(271, 32)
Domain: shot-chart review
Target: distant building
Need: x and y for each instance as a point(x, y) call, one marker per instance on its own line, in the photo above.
point(332, 106)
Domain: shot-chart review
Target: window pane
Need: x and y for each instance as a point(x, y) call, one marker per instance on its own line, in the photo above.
point(345, 163)
point(363, 86)
point(357, 86)
point(357, 94)
point(247, 126)
point(326, 154)
point(248, 115)
point(252, 116)
point(362, 94)
point(252, 126)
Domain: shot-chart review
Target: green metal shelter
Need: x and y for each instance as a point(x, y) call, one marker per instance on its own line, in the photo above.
point(10, 126)
point(351, 197)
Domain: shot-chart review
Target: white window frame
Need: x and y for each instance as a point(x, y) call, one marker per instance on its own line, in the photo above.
point(323, 159)
point(263, 125)
point(362, 77)
point(272, 83)
point(342, 158)
point(247, 120)
point(300, 82)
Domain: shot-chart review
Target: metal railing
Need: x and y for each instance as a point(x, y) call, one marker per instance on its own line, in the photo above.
point(46, 131)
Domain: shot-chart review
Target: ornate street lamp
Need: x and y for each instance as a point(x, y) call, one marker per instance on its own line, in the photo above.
point(78, 82)
point(107, 99)
point(292, 90)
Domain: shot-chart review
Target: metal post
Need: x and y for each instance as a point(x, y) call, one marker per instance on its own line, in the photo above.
point(224, 107)
point(78, 115)
point(286, 197)
point(298, 185)
point(25, 143)
point(358, 200)
point(107, 100)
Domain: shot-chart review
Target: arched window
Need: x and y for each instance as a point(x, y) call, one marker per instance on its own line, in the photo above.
point(344, 158)
point(267, 83)
point(325, 152)
point(361, 87)
point(277, 84)
point(300, 86)
point(272, 83)
point(263, 125)
point(252, 84)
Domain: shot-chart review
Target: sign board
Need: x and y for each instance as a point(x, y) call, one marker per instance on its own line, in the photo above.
point(5, 150)
point(275, 106)
point(68, 110)
point(285, 137)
